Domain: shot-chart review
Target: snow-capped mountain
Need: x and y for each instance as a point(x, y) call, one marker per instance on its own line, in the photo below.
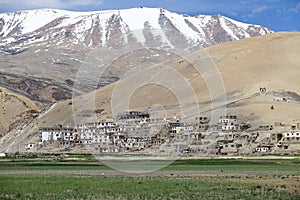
point(146, 25)
point(42, 50)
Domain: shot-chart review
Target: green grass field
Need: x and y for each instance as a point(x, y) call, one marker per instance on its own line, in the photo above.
point(183, 179)
point(101, 187)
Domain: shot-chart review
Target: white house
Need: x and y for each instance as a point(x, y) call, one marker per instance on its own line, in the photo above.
point(101, 138)
point(97, 132)
point(134, 142)
point(45, 136)
point(229, 123)
point(28, 147)
point(262, 149)
point(291, 134)
point(64, 134)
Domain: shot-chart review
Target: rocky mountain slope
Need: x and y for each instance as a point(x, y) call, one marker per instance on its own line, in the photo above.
point(97, 28)
point(15, 111)
point(236, 69)
point(42, 50)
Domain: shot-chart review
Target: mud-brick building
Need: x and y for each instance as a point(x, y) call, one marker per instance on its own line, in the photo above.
point(203, 123)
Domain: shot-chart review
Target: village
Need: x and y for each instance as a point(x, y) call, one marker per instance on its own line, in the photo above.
point(138, 132)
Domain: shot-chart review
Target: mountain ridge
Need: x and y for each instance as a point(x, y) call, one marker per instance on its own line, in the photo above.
point(193, 28)
point(44, 48)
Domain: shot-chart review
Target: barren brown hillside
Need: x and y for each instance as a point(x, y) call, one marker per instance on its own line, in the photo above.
point(243, 66)
point(196, 83)
point(15, 110)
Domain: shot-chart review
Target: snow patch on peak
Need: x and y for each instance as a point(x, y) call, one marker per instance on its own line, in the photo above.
point(227, 29)
point(240, 24)
point(136, 18)
point(33, 21)
point(26, 21)
point(179, 22)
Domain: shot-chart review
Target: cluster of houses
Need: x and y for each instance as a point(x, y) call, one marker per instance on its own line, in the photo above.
point(136, 131)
